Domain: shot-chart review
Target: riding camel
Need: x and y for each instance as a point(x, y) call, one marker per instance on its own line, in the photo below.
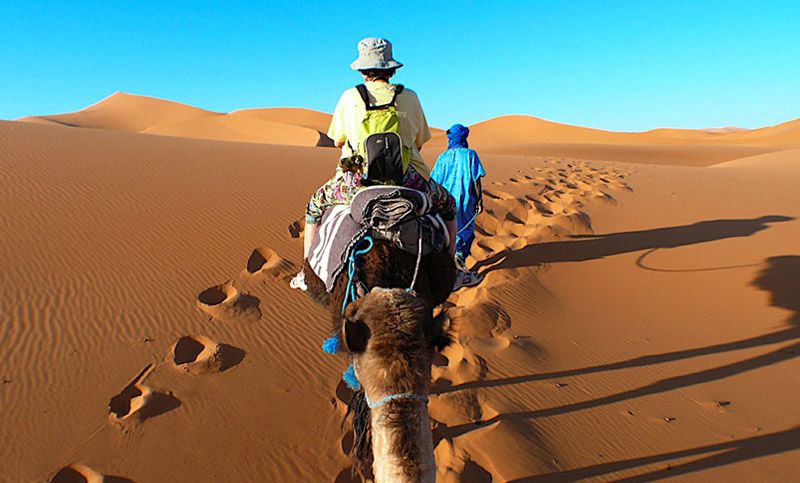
point(390, 335)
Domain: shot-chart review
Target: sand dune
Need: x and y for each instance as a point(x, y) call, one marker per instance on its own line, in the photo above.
point(520, 135)
point(132, 257)
point(530, 136)
point(530, 130)
point(149, 115)
point(788, 160)
point(231, 127)
point(786, 135)
point(316, 120)
point(126, 112)
point(637, 321)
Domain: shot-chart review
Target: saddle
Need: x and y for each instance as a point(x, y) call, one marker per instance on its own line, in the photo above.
point(402, 216)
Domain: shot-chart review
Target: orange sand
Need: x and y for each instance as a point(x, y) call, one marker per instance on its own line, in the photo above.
point(639, 320)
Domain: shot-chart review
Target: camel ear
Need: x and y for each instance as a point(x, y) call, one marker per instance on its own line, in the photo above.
point(355, 335)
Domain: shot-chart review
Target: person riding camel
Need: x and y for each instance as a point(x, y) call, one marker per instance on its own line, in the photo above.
point(376, 104)
point(459, 170)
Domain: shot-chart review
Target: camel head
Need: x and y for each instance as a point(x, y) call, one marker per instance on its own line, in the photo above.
point(392, 337)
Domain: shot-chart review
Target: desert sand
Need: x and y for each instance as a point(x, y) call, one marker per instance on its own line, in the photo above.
point(639, 319)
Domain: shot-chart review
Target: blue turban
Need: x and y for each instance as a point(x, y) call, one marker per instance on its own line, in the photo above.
point(457, 136)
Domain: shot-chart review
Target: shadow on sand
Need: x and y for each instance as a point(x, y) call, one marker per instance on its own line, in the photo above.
point(714, 455)
point(781, 278)
point(590, 247)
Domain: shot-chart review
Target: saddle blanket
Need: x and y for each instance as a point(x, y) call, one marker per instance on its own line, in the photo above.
point(400, 215)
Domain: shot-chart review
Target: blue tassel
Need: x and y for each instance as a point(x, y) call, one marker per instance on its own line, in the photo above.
point(331, 345)
point(349, 378)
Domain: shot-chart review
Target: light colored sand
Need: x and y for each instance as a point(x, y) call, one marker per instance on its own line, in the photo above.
point(149, 115)
point(634, 317)
point(232, 127)
point(126, 112)
point(514, 134)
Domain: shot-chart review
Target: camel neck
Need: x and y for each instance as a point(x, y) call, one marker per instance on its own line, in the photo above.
point(402, 445)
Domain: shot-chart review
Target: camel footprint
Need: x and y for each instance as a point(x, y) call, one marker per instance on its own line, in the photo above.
point(266, 261)
point(198, 354)
point(138, 402)
point(77, 473)
point(225, 302)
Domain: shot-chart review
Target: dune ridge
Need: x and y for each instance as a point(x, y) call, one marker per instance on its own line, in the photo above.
point(150, 115)
point(513, 134)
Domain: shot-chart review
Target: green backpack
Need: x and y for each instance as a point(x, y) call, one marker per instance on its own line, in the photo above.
point(384, 158)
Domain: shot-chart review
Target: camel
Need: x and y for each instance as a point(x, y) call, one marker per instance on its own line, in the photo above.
point(391, 336)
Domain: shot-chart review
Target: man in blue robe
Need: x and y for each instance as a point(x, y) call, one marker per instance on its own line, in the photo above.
point(460, 171)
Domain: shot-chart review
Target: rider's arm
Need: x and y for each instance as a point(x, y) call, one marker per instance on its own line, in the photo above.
point(479, 194)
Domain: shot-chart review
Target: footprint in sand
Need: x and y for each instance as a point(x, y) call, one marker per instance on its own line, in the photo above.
point(138, 402)
point(456, 407)
point(346, 476)
point(475, 473)
point(77, 473)
point(225, 302)
point(265, 260)
point(197, 354)
point(482, 325)
point(454, 465)
point(462, 365)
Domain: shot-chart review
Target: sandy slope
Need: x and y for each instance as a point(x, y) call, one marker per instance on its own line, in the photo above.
point(637, 321)
point(149, 115)
point(518, 135)
point(531, 136)
point(664, 344)
point(126, 112)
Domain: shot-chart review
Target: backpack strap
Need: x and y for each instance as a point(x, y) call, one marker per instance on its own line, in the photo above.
point(397, 90)
point(362, 91)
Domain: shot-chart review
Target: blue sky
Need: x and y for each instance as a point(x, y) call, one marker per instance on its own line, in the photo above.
point(620, 65)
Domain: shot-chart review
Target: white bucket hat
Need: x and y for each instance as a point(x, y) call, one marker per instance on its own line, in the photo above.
point(375, 53)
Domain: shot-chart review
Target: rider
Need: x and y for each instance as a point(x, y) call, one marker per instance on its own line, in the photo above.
point(376, 65)
point(459, 170)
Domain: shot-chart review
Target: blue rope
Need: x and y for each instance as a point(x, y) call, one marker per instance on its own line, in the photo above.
point(349, 377)
point(466, 225)
point(351, 292)
point(331, 345)
point(391, 397)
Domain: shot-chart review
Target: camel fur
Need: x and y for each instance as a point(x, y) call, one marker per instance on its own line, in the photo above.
point(391, 336)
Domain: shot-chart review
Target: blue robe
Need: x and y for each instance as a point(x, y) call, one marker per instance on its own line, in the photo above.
point(457, 169)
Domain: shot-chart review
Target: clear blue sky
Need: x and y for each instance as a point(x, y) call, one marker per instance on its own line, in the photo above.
point(620, 65)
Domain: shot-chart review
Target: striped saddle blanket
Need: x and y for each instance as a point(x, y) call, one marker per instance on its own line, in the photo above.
point(401, 215)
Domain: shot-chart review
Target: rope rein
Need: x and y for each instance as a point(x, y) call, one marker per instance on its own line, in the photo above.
point(351, 292)
point(331, 345)
point(391, 397)
point(411, 289)
point(467, 224)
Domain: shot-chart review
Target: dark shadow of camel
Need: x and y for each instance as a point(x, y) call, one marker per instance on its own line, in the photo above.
point(590, 247)
point(727, 453)
point(781, 278)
